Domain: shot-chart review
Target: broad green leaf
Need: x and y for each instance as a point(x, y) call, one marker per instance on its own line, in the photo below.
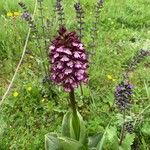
point(83, 131)
point(56, 142)
point(71, 144)
point(144, 145)
point(109, 140)
point(146, 129)
point(66, 124)
point(74, 127)
point(127, 142)
point(94, 140)
point(112, 138)
point(52, 142)
point(72, 130)
point(111, 133)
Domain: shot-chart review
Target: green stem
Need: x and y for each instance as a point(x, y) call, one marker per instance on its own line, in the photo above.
point(75, 118)
point(73, 102)
point(123, 128)
point(42, 22)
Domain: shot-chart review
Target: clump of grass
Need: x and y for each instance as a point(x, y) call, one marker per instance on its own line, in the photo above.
point(100, 94)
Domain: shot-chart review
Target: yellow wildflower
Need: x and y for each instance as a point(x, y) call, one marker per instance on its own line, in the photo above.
point(29, 88)
point(10, 14)
point(43, 100)
point(15, 94)
point(109, 77)
point(31, 56)
point(16, 14)
point(114, 80)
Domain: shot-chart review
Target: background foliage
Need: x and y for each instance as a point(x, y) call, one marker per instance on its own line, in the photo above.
point(26, 118)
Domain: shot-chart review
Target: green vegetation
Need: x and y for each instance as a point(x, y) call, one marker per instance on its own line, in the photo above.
point(30, 111)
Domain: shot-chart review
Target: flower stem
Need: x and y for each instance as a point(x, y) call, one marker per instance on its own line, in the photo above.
point(75, 118)
point(123, 128)
point(72, 101)
point(42, 22)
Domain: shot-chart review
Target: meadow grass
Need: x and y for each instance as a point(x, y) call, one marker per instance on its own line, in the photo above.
point(124, 28)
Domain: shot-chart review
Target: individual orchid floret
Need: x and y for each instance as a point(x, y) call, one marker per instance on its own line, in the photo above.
point(69, 60)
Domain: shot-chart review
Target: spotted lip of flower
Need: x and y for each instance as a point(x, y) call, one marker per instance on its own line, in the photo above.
point(123, 95)
point(69, 61)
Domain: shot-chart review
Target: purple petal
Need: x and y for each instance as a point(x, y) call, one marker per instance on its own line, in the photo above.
point(52, 47)
point(70, 64)
point(68, 71)
point(80, 77)
point(76, 55)
point(69, 81)
point(59, 65)
point(52, 60)
point(67, 51)
point(85, 80)
point(67, 89)
point(81, 46)
point(85, 66)
point(75, 44)
point(61, 76)
point(56, 55)
point(60, 49)
point(53, 76)
point(64, 58)
point(83, 56)
point(78, 64)
point(74, 85)
point(81, 71)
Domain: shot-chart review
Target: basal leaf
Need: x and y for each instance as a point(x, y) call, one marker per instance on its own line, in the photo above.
point(146, 129)
point(71, 144)
point(66, 124)
point(52, 142)
point(109, 140)
point(83, 131)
